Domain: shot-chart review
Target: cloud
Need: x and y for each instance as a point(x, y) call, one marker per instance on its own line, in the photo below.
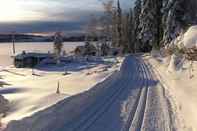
point(43, 26)
point(49, 15)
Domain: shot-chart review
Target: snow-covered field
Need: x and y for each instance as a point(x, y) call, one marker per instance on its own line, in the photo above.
point(29, 93)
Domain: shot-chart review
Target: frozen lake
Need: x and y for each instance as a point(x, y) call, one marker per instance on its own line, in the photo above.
point(6, 49)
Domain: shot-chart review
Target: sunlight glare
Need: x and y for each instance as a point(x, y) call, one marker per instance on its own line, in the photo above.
point(15, 10)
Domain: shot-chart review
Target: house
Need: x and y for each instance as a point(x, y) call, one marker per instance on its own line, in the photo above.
point(29, 60)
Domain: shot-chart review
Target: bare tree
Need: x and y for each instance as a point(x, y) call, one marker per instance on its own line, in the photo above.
point(58, 45)
point(107, 20)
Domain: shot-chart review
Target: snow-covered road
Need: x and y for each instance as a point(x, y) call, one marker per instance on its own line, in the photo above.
point(132, 99)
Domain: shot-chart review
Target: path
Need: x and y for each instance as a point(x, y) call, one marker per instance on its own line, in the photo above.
point(132, 99)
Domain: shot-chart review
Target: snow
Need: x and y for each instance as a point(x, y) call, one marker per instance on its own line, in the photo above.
point(190, 37)
point(4, 106)
point(29, 93)
point(180, 83)
point(123, 101)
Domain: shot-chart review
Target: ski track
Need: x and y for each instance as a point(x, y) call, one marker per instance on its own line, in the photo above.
point(136, 89)
point(149, 111)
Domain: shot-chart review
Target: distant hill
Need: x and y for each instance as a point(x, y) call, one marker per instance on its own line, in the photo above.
point(36, 38)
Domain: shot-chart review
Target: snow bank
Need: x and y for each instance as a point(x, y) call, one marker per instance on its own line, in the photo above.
point(4, 105)
point(190, 37)
point(182, 89)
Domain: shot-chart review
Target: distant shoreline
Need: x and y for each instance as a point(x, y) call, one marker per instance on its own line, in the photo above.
point(38, 38)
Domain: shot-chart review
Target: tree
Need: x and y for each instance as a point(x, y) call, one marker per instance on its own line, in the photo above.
point(178, 15)
point(127, 32)
point(58, 45)
point(105, 49)
point(150, 24)
point(130, 30)
point(107, 24)
point(119, 25)
point(136, 23)
point(90, 49)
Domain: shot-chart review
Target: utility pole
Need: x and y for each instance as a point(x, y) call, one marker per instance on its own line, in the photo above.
point(13, 43)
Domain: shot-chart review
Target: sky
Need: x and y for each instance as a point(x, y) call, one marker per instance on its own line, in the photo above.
point(27, 16)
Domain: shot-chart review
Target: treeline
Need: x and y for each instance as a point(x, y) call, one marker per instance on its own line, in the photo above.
point(149, 24)
point(38, 38)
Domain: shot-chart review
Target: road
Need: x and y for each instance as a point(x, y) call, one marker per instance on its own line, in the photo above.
point(132, 99)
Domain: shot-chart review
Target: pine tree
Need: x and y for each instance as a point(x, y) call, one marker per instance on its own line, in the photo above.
point(131, 32)
point(150, 24)
point(119, 25)
point(178, 15)
point(127, 32)
point(136, 23)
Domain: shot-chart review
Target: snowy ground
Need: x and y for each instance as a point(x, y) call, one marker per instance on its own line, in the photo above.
point(130, 99)
point(181, 83)
point(29, 93)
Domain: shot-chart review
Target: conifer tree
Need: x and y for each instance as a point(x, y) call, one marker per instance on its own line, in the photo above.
point(136, 22)
point(119, 24)
point(178, 15)
point(150, 24)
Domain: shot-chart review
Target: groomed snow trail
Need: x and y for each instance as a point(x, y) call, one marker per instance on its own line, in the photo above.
point(130, 100)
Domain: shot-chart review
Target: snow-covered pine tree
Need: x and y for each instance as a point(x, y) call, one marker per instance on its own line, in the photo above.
point(131, 32)
point(136, 22)
point(178, 15)
point(150, 24)
point(114, 28)
point(127, 32)
point(119, 25)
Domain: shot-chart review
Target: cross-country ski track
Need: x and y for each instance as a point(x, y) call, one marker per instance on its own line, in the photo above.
point(132, 99)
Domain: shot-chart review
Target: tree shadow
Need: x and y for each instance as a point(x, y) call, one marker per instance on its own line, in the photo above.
point(72, 66)
point(11, 90)
point(2, 83)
